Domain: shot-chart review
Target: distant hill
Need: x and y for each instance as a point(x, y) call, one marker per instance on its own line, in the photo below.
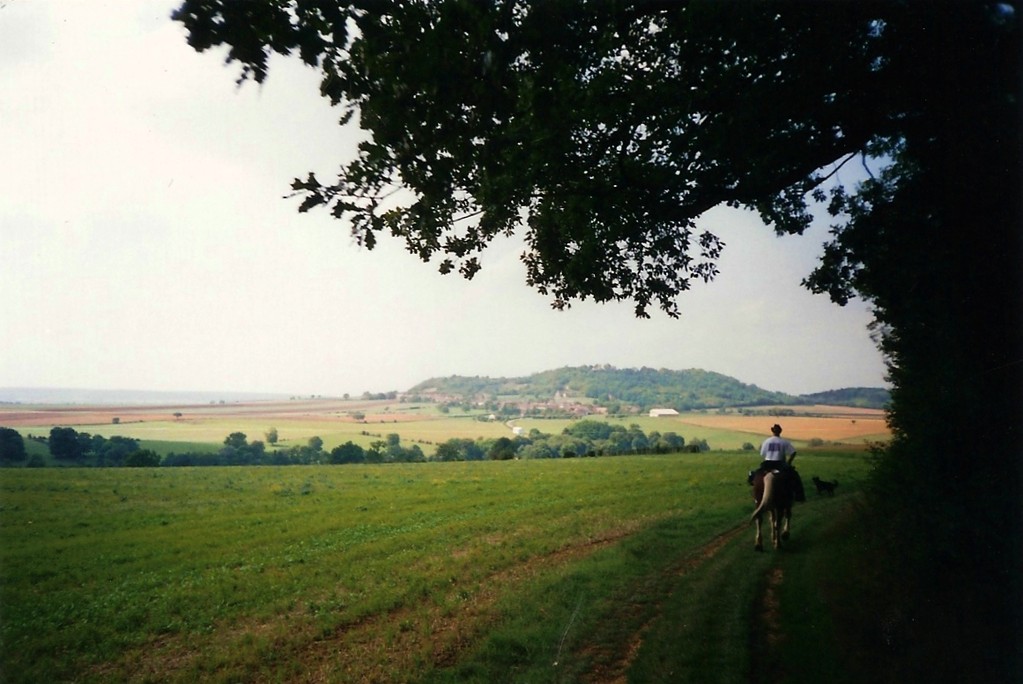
point(643, 388)
point(859, 397)
point(606, 385)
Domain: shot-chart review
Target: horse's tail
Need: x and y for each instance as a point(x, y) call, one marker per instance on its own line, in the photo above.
point(765, 500)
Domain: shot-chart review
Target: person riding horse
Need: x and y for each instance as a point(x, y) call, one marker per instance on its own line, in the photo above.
point(778, 455)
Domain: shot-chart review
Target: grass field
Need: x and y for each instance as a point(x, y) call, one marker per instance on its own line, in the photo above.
point(525, 571)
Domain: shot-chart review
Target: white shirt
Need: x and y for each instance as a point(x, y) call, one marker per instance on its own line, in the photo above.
point(776, 449)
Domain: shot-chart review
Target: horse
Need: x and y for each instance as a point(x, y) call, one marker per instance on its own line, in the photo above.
point(773, 493)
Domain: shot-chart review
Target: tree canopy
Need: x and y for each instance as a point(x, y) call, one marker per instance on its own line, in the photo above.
point(602, 129)
point(605, 127)
point(12, 446)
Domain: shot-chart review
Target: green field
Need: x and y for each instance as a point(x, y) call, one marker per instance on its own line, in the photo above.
point(525, 571)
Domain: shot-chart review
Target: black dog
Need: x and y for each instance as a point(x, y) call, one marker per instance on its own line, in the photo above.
point(824, 487)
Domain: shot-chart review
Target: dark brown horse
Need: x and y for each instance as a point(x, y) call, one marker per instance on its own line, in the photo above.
point(773, 493)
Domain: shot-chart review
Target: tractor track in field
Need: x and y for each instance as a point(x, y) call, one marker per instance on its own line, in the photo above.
point(426, 631)
point(767, 632)
point(373, 648)
point(378, 647)
point(612, 660)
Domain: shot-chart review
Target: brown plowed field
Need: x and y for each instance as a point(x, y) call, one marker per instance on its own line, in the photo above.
point(827, 423)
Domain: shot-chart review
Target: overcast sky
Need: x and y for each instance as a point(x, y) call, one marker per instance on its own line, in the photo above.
point(146, 244)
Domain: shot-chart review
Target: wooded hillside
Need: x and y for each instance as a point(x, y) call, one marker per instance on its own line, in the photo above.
point(641, 387)
point(860, 397)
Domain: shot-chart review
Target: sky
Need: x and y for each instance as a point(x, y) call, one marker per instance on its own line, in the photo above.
point(147, 244)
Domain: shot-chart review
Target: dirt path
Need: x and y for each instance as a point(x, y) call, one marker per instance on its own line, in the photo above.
point(611, 668)
point(763, 580)
point(767, 633)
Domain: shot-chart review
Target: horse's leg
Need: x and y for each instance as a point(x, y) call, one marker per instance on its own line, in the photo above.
point(775, 529)
point(758, 540)
point(786, 519)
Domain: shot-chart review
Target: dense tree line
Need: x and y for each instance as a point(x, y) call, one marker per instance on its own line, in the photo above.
point(237, 450)
point(70, 447)
point(858, 397)
point(388, 450)
point(581, 439)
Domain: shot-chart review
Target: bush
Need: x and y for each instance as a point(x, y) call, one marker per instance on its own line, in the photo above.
point(143, 458)
point(12, 446)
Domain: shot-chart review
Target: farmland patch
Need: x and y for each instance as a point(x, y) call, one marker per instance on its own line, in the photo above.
point(862, 427)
